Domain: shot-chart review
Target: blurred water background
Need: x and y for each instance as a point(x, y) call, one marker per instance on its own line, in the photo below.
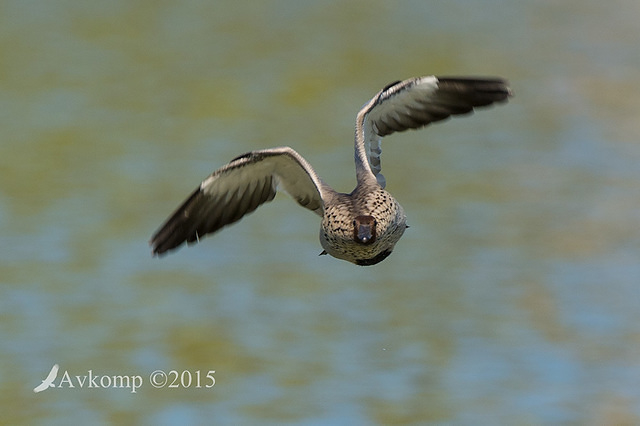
point(512, 299)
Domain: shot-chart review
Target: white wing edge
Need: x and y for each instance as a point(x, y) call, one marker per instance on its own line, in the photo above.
point(368, 142)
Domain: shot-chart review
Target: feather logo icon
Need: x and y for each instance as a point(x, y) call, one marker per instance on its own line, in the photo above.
point(48, 382)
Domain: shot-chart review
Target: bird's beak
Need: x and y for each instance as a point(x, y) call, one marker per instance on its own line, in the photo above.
point(364, 231)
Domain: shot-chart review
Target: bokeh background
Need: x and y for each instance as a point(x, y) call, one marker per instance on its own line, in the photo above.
point(512, 299)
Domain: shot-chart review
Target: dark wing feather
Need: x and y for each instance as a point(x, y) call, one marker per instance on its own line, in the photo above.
point(417, 102)
point(413, 104)
point(238, 189)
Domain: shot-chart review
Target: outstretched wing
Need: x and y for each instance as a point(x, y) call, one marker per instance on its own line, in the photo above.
point(415, 103)
point(237, 189)
point(52, 374)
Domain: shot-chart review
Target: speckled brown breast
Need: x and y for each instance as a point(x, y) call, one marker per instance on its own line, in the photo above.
point(336, 231)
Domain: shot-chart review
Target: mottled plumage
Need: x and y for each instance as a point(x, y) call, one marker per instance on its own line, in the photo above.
point(361, 227)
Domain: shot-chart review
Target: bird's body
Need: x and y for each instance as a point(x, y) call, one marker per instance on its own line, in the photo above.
point(361, 227)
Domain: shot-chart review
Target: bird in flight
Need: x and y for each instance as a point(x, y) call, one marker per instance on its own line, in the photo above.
point(361, 227)
point(48, 382)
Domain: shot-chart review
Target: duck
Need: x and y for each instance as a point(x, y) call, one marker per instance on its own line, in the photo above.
point(361, 227)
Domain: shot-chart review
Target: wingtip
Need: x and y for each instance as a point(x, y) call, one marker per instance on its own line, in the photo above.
point(157, 252)
point(154, 248)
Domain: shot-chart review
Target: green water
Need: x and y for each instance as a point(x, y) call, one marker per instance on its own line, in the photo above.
point(512, 299)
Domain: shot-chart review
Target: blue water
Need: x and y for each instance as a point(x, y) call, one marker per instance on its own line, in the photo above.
point(512, 299)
